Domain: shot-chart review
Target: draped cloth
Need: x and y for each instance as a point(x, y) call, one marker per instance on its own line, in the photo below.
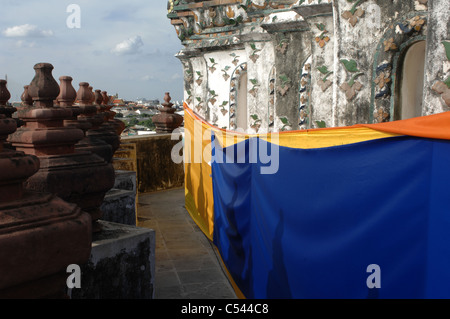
point(351, 212)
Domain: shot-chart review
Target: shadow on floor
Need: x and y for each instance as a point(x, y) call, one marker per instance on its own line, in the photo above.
point(187, 266)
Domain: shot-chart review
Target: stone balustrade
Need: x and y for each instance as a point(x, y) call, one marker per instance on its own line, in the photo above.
point(56, 178)
point(40, 234)
point(56, 150)
point(82, 178)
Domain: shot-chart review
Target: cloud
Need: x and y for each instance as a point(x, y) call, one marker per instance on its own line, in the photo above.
point(129, 46)
point(26, 30)
point(23, 44)
point(147, 78)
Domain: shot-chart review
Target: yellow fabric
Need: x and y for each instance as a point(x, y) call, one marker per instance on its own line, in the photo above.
point(197, 151)
point(199, 197)
point(307, 139)
point(198, 182)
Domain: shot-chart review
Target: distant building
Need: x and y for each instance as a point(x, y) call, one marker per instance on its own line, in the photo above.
point(146, 102)
point(118, 102)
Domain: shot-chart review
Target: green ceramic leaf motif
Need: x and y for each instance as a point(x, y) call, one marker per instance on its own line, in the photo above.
point(447, 49)
point(447, 82)
point(323, 69)
point(321, 124)
point(350, 65)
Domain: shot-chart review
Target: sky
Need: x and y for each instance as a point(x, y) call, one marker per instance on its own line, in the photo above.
point(124, 47)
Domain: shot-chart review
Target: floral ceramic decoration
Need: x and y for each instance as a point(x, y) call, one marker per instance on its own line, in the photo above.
point(443, 87)
point(354, 14)
point(324, 82)
point(284, 84)
point(352, 86)
point(322, 38)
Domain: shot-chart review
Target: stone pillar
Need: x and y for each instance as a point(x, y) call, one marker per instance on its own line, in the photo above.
point(27, 100)
point(167, 120)
point(103, 130)
point(5, 109)
point(91, 142)
point(117, 124)
point(40, 234)
point(67, 98)
point(81, 178)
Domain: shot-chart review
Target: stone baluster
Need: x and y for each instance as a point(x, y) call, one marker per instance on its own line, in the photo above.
point(27, 101)
point(5, 109)
point(104, 131)
point(67, 94)
point(40, 233)
point(166, 121)
point(92, 97)
point(88, 109)
point(86, 120)
point(78, 177)
point(89, 114)
point(117, 124)
point(66, 98)
point(101, 109)
point(106, 103)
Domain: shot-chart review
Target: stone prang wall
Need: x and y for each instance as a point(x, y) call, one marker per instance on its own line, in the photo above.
point(268, 66)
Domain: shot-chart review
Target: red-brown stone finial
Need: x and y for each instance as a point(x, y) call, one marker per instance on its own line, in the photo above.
point(29, 220)
point(105, 98)
point(5, 109)
point(82, 178)
point(67, 94)
point(98, 97)
point(84, 94)
point(25, 97)
point(118, 125)
point(167, 99)
point(43, 88)
point(92, 100)
point(167, 120)
point(4, 93)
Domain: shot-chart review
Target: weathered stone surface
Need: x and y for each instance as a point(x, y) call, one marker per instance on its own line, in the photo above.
point(77, 177)
point(125, 180)
point(121, 266)
point(311, 64)
point(119, 206)
point(154, 159)
point(40, 234)
point(167, 120)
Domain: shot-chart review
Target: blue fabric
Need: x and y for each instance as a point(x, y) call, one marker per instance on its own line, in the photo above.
point(312, 229)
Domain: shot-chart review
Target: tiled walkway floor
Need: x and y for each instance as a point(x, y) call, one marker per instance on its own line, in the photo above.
point(187, 266)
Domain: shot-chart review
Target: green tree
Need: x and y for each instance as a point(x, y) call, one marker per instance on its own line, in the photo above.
point(133, 121)
point(148, 123)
